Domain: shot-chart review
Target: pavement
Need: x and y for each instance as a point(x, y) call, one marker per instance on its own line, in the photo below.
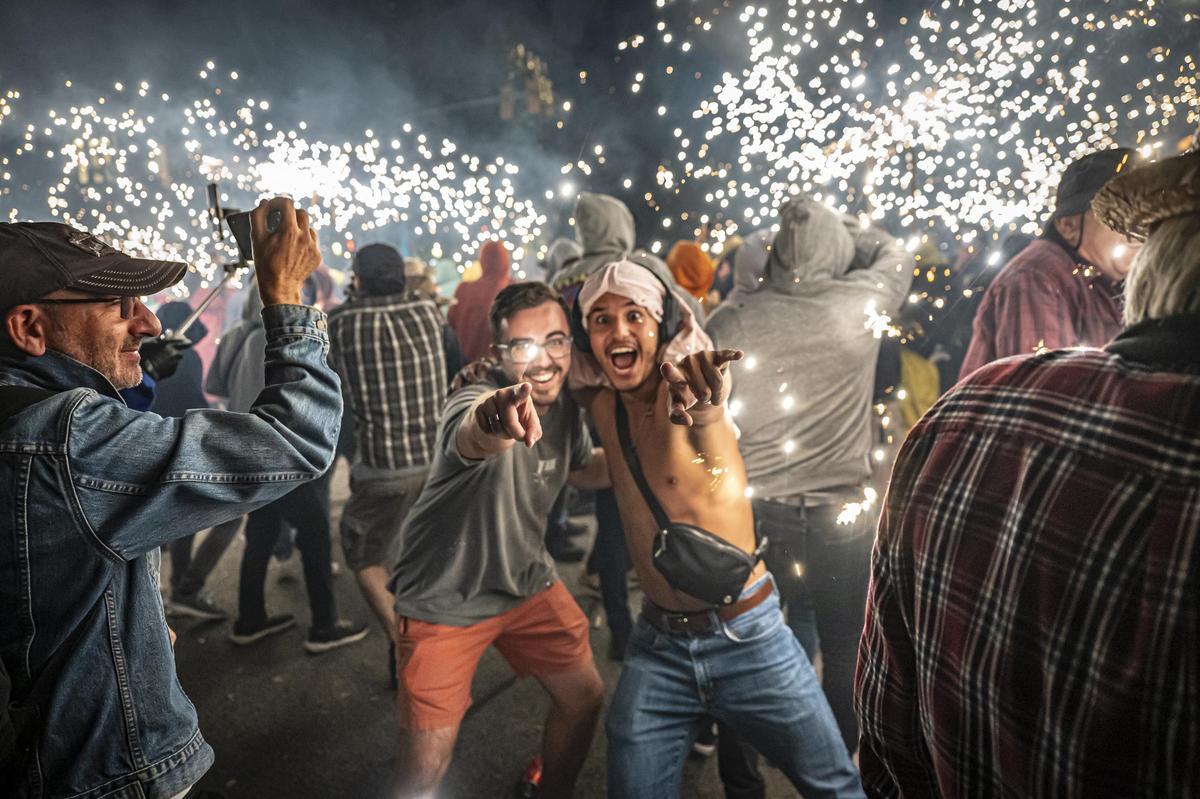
point(288, 724)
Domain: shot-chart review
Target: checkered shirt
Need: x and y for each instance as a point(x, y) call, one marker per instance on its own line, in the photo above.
point(1032, 625)
point(389, 353)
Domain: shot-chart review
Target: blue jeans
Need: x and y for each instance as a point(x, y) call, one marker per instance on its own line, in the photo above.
point(753, 676)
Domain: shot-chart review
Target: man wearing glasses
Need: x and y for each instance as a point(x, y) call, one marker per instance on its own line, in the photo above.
point(474, 570)
point(93, 488)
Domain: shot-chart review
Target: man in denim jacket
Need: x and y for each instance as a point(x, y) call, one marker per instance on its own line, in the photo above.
point(93, 488)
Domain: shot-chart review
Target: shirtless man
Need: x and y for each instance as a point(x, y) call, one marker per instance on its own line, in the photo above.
point(688, 660)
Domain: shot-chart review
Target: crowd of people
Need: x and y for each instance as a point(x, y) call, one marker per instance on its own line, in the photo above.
point(1018, 616)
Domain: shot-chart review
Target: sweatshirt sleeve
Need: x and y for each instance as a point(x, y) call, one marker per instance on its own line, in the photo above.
point(887, 264)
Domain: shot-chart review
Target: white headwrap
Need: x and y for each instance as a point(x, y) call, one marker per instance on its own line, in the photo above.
point(643, 287)
point(625, 279)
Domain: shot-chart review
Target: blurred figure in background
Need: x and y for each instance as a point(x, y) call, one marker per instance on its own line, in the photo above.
point(237, 375)
point(560, 252)
point(1063, 290)
point(803, 396)
point(175, 396)
point(692, 268)
point(387, 345)
point(469, 314)
point(422, 278)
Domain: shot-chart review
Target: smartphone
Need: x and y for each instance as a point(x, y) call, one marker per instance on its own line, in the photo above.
point(239, 225)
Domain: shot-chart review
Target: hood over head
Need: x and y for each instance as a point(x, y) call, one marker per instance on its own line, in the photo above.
point(494, 260)
point(561, 252)
point(692, 268)
point(174, 313)
point(812, 243)
point(603, 225)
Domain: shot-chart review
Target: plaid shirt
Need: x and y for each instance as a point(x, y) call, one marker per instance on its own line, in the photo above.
point(389, 353)
point(1043, 300)
point(1032, 626)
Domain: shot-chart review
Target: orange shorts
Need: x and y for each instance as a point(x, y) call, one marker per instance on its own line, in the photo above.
point(435, 663)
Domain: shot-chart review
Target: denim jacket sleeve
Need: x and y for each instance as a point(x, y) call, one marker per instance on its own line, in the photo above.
point(141, 480)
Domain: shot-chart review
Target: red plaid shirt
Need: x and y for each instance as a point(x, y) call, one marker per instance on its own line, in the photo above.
point(1043, 300)
point(1033, 625)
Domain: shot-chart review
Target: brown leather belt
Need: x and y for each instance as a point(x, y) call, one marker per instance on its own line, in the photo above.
point(702, 622)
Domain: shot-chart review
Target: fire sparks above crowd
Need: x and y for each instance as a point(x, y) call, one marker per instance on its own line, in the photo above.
point(957, 119)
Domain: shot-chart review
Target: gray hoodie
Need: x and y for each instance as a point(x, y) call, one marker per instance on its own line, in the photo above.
point(803, 393)
point(604, 228)
point(238, 371)
point(561, 251)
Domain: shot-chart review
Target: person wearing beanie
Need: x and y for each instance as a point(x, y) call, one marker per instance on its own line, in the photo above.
point(387, 344)
point(1064, 289)
point(469, 314)
point(692, 268)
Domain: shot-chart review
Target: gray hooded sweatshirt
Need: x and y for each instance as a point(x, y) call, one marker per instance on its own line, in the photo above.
point(803, 392)
point(238, 374)
point(604, 228)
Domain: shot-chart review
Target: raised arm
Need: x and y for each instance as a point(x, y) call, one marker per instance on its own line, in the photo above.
point(141, 480)
point(880, 261)
point(699, 385)
point(497, 421)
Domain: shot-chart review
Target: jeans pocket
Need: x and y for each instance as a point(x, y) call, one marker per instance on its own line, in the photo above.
point(755, 625)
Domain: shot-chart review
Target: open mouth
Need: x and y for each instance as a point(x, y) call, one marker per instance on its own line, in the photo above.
point(623, 358)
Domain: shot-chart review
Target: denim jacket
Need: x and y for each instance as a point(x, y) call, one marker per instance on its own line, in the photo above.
point(91, 490)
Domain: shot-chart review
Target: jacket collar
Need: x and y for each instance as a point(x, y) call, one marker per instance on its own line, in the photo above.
point(1171, 343)
point(54, 371)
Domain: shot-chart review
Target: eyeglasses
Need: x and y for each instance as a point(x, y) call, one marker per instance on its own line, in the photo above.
point(127, 303)
point(527, 351)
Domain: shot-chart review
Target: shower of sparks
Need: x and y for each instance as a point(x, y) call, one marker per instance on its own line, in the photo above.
point(115, 174)
point(953, 123)
point(852, 510)
point(880, 324)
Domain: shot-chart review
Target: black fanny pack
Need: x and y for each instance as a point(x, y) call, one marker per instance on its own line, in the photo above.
point(690, 558)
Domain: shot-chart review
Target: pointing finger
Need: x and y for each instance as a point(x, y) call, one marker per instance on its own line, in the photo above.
point(723, 357)
point(671, 374)
point(713, 378)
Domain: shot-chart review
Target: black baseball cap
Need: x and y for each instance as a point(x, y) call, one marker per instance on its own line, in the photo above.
point(37, 258)
point(1085, 177)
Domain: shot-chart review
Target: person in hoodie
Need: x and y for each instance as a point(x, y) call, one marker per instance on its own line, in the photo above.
point(175, 396)
point(236, 375)
point(468, 315)
point(803, 396)
point(559, 254)
point(692, 268)
point(605, 230)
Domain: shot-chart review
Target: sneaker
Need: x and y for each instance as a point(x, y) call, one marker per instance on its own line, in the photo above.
point(247, 633)
point(198, 605)
point(527, 786)
point(323, 639)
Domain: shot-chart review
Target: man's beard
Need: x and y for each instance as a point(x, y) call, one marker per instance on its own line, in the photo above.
point(104, 360)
